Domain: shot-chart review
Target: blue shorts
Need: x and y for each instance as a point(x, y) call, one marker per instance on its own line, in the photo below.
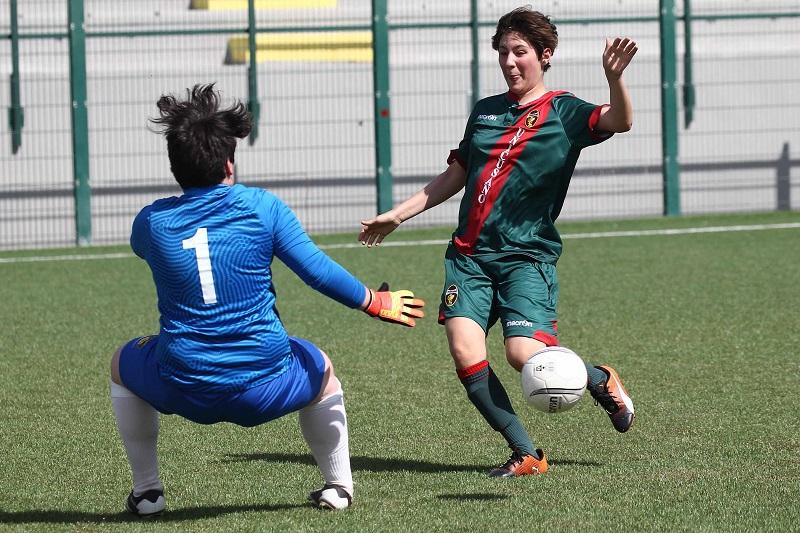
point(298, 386)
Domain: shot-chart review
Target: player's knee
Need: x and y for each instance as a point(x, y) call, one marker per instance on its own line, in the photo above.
point(115, 366)
point(334, 386)
point(458, 354)
point(466, 340)
point(518, 353)
point(466, 354)
point(516, 359)
point(331, 384)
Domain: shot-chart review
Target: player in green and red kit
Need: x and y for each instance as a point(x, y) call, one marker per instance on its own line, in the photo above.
point(515, 163)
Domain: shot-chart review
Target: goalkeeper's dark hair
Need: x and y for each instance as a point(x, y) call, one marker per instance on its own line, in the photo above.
point(533, 26)
point(201, 137)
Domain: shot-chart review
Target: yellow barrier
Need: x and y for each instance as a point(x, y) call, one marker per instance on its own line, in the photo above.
point(354, 46)
point(218, 5)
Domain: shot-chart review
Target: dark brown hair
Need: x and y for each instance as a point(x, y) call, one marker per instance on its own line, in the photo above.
point(532, 26)
point(201, 137)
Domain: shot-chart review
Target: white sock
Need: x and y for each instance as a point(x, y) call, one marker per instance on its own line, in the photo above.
point(137, 423)
point(324, 426)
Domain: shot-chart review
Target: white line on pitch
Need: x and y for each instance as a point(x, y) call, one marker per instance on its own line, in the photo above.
point(441, 242)
point(604, 234)
point(76, 257)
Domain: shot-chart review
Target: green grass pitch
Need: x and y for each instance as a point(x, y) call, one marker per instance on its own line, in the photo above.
point(704, 329)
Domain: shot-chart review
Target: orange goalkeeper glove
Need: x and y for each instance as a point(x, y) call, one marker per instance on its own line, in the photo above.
point(399, 307)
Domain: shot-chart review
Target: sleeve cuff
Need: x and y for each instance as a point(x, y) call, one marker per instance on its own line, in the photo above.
point(455, 157)
point(594, 118)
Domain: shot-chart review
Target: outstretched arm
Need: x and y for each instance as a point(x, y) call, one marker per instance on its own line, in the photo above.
point(618, 116)
point(296, 249)
point(442, 187)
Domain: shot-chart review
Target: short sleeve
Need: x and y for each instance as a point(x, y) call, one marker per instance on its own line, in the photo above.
point(461, 154)
point(579, 119)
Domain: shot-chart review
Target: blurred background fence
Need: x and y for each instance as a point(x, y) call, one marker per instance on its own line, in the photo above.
point(358, 103)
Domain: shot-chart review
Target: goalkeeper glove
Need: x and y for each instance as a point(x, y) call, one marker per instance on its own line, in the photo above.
point(399, 307)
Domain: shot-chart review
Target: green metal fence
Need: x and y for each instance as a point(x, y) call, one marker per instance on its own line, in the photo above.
point(358, 104)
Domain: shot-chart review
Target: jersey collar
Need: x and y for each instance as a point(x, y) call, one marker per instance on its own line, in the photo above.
point(513, 100)
point(199, 191)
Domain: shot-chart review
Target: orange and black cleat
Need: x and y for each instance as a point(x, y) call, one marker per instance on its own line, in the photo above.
point(521, 464)
point(613, 398)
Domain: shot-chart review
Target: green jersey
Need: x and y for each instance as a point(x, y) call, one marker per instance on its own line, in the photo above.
point(519, 161)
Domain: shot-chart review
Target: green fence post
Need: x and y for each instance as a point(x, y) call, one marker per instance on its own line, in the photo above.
point(784, 180)
point(383, 124)
point(475, 66)
point(669, 109)
point(688, 78)
point(16, 117)
point(252, 73)
point(80, 123)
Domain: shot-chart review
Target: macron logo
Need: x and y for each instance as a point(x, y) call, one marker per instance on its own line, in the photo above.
point(525, 323)
point(487, 117)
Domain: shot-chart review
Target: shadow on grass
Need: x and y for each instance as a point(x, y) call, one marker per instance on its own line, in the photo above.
point(44, 516)
point(368, 464)
point(381, 464)
point(480, 496)
point(572, 462)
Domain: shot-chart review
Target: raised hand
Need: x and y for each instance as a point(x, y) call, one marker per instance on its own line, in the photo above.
point(617, 56)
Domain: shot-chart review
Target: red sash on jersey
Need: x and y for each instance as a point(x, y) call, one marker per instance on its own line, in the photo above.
point(498, 167)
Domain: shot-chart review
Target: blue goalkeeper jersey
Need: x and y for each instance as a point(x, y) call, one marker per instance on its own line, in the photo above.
point(210, 252)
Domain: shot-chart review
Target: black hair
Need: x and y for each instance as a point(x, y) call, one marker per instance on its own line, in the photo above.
point(201, 137)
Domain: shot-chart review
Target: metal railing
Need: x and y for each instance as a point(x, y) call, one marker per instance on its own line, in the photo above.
point(339, 138)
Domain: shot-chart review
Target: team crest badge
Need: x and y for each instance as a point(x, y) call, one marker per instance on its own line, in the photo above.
point(451, 296)
point(531, 119)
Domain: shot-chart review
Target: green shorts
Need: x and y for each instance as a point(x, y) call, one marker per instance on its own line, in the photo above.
point(518, 290)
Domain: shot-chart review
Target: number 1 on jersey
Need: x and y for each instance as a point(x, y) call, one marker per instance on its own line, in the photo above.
point(199, 242)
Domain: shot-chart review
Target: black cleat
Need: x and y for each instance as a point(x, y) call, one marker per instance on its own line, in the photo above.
point(151, 503)
point(331, 497)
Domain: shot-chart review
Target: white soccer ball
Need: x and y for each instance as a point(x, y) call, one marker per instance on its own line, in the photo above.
point(554, 379)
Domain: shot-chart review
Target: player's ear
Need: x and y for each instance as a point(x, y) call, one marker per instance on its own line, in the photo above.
point(229, 179)
point(546, 55)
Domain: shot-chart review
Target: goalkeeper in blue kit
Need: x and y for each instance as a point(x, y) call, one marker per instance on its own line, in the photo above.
point(222, 353)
